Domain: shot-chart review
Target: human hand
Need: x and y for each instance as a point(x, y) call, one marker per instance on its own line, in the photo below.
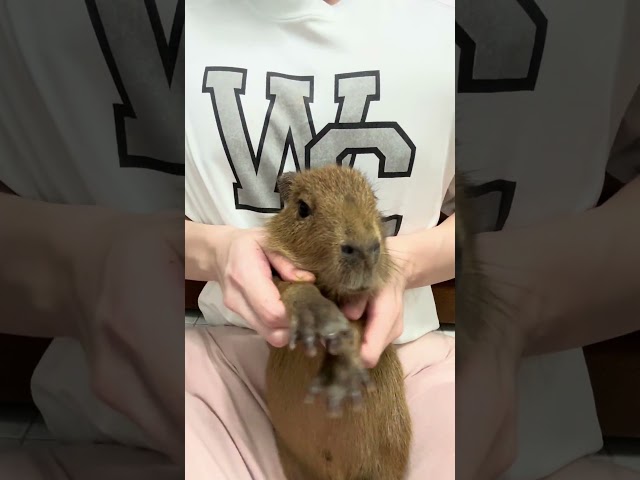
point(384, 310)
point(490, 340)
point(243, 266)
point(127, 278)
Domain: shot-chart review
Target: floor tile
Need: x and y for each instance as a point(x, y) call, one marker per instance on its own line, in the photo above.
point(8, 444)
point(624, 451)
point(629, 461)
point(38, 431)
point(191, 316)
point(15, 420)
point(448, 329)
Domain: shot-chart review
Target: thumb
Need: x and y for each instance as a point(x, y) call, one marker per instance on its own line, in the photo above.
point(287, 270)
point(380, 321)
point(354, 309)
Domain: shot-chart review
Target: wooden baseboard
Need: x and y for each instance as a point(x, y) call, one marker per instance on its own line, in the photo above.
point(614, 369)
point(19, 357)
point(192, 290)
point(444, 295)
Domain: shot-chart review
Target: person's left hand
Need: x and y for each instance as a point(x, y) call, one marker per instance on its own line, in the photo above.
point(384, 310)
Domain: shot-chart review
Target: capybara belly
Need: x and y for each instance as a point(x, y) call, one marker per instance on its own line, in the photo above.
point(372, 442)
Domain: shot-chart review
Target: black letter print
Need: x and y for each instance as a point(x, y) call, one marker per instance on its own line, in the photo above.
point(148, 72)
point(501, 44)
point(288, 126)
point(352, 134)
point(501, 48)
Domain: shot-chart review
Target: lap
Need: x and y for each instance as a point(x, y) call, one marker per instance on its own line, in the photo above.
point(429, 366)
point(227, 426)
point(81, 461)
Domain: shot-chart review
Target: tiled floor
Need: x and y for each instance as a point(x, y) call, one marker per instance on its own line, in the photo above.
point(193, 317)
point(623, 451)
point(21, 425)
point(448, 330)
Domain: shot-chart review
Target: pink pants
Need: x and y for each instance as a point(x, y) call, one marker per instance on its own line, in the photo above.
point(228, 434)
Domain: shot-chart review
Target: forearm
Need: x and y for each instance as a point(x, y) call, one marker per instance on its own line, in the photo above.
point(201, 244)
point(584, 284)
point(428, 256)
point(39, 245)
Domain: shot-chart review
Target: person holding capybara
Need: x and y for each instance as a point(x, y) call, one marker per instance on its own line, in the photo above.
point(327, 101)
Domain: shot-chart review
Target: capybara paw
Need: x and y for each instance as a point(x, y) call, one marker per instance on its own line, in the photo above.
point(315, 318)
point(340, 378)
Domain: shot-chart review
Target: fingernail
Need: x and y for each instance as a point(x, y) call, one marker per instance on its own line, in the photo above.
point(352, 315)
point(367, 360)
point(279, 338)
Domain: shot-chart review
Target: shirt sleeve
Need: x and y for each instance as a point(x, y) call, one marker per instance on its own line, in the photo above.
point(193, 185)
point(449, 201)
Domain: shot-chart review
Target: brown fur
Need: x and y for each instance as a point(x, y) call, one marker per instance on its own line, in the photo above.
point(475, 296)
point(372, 443)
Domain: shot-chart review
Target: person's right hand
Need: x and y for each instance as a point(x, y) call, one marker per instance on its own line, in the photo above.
point(243, 266)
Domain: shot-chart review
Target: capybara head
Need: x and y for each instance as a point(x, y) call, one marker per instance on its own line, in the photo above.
point(330, 225)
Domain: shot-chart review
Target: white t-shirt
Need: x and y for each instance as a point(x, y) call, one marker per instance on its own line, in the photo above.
point(280, 85)
point(69, 95)
point(68, 67)
point(539, 104)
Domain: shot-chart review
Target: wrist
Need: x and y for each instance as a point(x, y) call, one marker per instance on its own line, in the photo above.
point(91, 235)
point(206, 249)
point(216, 241)
point(399, 250)
point(56, 251)
point(425, 257)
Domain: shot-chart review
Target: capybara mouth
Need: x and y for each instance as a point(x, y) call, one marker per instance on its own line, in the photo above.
point(359, 282)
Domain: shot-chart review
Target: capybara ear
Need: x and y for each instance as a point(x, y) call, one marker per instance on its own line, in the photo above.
point(284, 184)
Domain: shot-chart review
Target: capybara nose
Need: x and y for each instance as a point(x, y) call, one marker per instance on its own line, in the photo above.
point(354, 253)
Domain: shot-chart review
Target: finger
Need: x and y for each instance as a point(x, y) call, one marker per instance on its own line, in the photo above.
point(287, 270)
point(264, 298)
point(237, 303)
point(354, 310)
point(253, 280)
point(381, 319)
point(278, 337)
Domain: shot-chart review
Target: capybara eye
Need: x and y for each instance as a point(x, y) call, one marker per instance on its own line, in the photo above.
point(303, 209)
